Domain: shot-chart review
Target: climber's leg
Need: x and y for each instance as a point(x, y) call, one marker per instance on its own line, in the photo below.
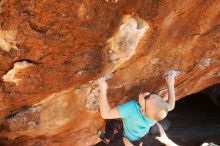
point(117, 141)
point(111, 126)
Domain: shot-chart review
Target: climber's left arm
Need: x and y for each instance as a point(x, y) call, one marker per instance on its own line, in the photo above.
point(170, 79)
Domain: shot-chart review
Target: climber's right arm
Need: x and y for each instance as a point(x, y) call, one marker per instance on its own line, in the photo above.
point(170, 79)
point(105, 109)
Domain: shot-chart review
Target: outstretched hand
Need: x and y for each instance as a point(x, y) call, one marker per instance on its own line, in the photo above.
point(170, 78)
point(128, 143)
point(163, 137)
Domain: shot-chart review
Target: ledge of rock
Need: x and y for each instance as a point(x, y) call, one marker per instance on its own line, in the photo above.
point(53, 52)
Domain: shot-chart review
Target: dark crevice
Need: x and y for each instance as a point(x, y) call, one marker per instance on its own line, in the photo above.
point(14, 113)
point(210, 30)
point(28, 60)
point(12, 64)
point(37, 28)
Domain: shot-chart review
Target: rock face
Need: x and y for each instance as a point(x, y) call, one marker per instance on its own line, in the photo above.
point(58, 49)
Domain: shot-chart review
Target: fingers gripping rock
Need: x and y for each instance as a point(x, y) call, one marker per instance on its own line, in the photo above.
point(175, 73)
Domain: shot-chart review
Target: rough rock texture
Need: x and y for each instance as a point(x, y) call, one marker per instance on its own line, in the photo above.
point(71, 43)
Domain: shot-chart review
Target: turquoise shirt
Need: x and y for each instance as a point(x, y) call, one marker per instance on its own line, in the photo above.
point(135, 124)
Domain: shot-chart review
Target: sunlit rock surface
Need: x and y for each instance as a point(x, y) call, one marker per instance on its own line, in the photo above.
point(70, 44)
point(7, 39)
point(11, 74)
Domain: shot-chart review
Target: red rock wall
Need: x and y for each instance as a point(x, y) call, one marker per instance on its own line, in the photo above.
point(52, 53)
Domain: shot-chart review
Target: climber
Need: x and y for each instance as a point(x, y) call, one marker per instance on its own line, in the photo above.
point(137, 117)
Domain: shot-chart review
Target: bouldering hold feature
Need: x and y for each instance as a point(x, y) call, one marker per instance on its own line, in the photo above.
point(124, 43)
point(8, 39)
point(11, 74)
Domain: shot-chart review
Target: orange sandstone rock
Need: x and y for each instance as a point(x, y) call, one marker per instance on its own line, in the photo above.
point(71, 44)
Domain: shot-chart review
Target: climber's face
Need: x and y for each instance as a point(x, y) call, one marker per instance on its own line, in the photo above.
point(153, 106)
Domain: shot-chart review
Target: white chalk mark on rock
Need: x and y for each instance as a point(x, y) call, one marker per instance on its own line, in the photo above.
point(124, 43)
point(7, 40)
point(205, 63)
point(11, 74)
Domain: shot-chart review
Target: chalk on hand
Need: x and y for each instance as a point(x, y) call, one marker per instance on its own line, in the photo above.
point(176, 73)
point(109, 76)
